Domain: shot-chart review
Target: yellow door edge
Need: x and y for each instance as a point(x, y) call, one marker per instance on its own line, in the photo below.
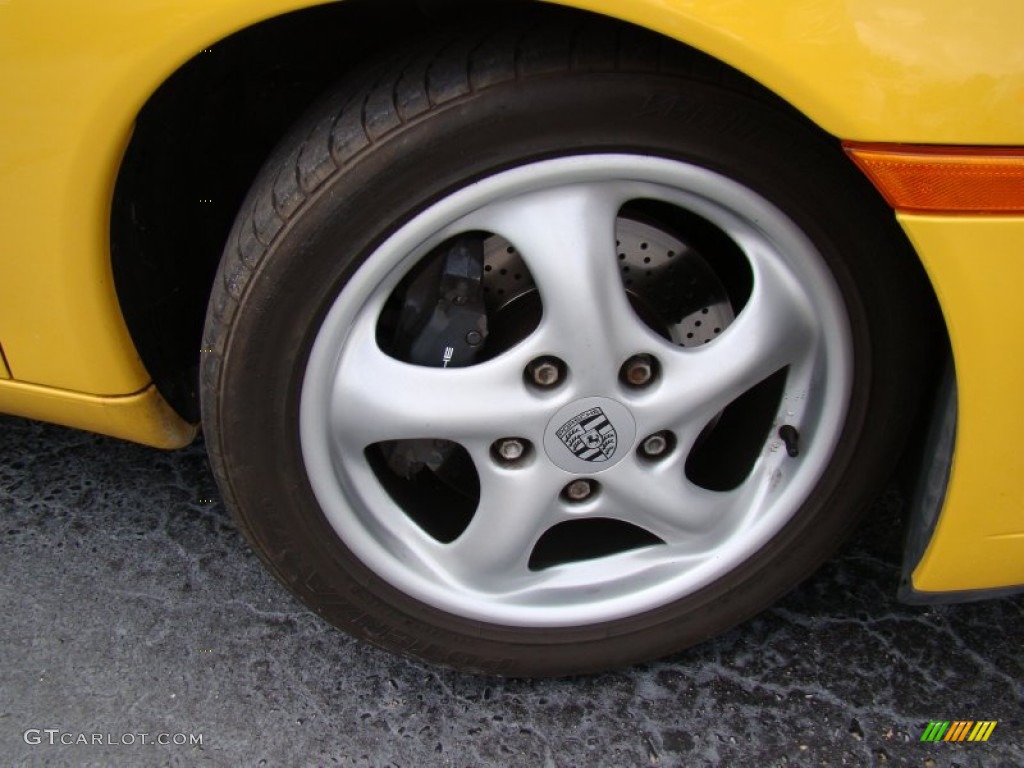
point(143, 417)
point(5, 370)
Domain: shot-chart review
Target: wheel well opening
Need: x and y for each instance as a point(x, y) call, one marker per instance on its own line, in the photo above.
point(198, 144)
point(203, 135)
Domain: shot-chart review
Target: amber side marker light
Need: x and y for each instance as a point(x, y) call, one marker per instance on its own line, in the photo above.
point(979, 180)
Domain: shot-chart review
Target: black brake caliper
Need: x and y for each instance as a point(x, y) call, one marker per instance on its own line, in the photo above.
point(442, 324)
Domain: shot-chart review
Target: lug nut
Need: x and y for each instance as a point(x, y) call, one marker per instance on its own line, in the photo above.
point(639, 370)
point(656, 446)
point(545, 372)
point(579, 490)
point(510, 449)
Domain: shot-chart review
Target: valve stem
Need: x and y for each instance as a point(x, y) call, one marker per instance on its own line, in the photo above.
point(791, 438)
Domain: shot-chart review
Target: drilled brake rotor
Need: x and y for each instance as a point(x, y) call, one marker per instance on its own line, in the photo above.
point(670, 285)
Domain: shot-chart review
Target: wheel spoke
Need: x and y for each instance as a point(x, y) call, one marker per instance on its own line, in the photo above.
point(376, 397)
point(774, 329)
point(663, 502)
point(567, 239)
point(515, 509)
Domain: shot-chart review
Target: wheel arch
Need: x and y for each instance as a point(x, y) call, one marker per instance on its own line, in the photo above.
point(205, 130)
point(197, 144)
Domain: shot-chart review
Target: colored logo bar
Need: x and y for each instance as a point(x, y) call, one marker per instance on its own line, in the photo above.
point(959, 730)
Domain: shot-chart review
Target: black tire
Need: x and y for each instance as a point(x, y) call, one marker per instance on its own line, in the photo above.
point(391, 142)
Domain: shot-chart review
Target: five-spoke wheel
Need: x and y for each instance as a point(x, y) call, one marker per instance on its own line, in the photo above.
point(536, 543)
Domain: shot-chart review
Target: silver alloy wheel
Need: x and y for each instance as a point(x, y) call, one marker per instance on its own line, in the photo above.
point(561, 215)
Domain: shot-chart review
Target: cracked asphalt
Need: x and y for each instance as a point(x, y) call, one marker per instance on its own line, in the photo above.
point(131, 605)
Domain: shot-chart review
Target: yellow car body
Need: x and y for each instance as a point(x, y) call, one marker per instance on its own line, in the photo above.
point(74, 76)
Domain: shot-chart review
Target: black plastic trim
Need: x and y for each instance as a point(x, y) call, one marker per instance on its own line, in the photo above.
point(929, 495)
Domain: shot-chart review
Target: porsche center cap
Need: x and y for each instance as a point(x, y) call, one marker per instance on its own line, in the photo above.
point(590, 435)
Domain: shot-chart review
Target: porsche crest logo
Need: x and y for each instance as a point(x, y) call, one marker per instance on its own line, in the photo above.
point(589, 435)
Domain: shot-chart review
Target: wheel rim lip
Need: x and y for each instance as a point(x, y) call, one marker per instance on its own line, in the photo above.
point(339, 482)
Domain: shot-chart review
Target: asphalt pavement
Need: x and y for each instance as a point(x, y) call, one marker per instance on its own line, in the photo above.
point(138, 629)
